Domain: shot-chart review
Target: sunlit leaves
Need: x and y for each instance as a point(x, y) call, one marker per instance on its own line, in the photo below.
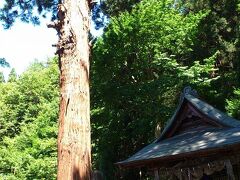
point(233, 104)
point(28, 119)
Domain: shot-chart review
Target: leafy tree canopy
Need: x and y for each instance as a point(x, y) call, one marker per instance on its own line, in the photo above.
point(233, 104)
point(115, 7)
point(139, 67)
point(2, 79)
point(12, 77)
point(28, 124)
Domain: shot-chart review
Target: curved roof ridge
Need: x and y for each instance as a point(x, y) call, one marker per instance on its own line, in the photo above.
point(212, 112)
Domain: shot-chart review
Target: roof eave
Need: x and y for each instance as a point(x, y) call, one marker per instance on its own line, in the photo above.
point(227, 149)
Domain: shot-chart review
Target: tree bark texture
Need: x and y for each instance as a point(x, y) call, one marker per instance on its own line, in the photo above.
point(74, 144)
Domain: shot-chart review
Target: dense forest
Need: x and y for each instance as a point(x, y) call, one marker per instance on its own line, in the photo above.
point(149, 51)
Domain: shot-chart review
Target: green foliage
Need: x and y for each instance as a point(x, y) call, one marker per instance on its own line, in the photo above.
point(115, 7)
point(199, 74)
point(233, 104)
point(103, 10)
point(219, 31)
point(12, 77)
point(28, 118)
point(2, 79)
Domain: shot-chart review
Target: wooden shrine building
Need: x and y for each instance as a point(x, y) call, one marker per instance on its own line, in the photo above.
point(198, 142)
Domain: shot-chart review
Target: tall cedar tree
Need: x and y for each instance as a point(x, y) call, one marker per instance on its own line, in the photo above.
point(72, 24)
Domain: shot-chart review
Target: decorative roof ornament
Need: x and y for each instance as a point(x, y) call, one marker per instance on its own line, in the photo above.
point(188, 90)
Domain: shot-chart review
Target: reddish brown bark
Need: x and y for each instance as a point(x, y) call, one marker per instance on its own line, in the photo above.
point(74, 147)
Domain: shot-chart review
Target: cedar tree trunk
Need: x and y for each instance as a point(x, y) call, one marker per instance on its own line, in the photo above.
point(74, 144)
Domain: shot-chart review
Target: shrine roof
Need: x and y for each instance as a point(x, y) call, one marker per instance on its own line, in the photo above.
point(191, 142)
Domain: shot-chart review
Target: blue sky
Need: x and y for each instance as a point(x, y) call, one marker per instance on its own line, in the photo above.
point(24, 43)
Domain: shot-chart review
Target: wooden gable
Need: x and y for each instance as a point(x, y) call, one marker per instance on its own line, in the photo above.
point(191, 119)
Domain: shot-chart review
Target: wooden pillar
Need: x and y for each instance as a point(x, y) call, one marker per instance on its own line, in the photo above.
point(229, 168)
point(189, 174)
point(181, 174)
point(156, 174)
